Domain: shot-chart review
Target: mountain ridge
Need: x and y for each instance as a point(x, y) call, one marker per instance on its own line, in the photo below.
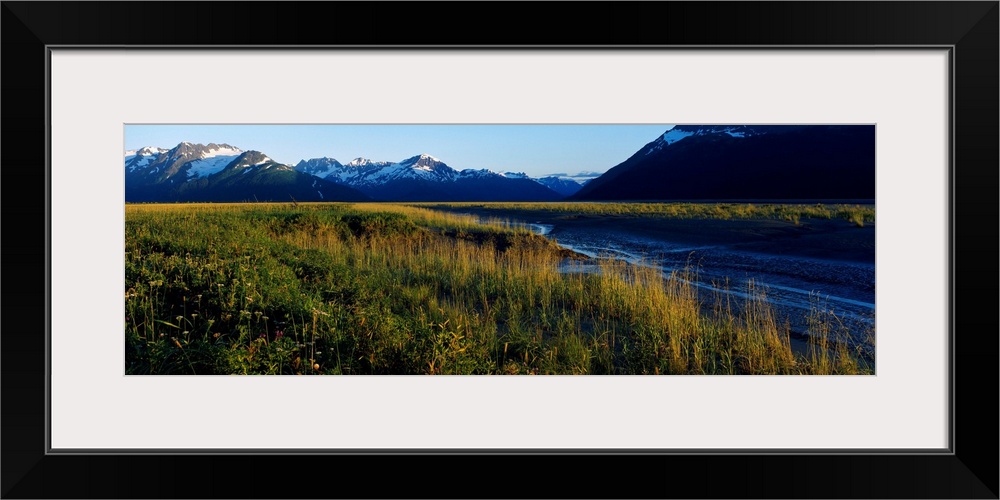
point(719, 162)
point(221, 173)
point(205, 172)
point(424, 177)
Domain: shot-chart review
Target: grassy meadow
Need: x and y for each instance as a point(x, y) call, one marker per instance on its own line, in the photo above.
point(331, 288)
point(856, 214)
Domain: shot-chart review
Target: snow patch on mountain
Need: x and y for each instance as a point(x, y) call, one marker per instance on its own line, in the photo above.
point(343, 176)
point(358, 162)
point(321, 167)
point(481, 173)
point(139, 162)
point(674, 135)
point(196, 160)
point(370, 176)
point(363, 172)
point(365, 162)
point(681, 132)
point(146, 151)
point(515, 175)
point(209, 165)
point(139, 158)
point(221, 150)
point(669, 137)
point(418, 167)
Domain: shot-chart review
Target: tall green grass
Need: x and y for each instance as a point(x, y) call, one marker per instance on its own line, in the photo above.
point(392, 289)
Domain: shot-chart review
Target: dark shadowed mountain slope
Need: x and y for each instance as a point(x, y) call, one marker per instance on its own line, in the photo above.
point(745, 162)
point(565, 187)
point(484, 185)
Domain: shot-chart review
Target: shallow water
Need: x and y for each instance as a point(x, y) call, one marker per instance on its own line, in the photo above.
point(795, 286)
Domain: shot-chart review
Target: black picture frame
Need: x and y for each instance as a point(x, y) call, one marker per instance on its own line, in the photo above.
point(968, 470)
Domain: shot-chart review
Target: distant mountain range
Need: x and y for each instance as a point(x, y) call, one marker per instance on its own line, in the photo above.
point(426, 178)
point(687, 162)
point(727, 162)
point(221, 172)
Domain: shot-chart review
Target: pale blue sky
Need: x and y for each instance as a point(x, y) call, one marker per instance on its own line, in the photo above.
point(534, 149)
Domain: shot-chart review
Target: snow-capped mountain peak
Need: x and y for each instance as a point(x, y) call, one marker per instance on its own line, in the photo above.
point(362, 162)
point(206, 160)
point(210, 170)
point(220, 172)
point(365, 172)
point(187, 151)
point(424, 165)
point(478, 173)
point(421, 160)
point(515, 175)
point(681, 132)
point(145, 151)
point(142, 157)
point(207, 149)
point(213, 150)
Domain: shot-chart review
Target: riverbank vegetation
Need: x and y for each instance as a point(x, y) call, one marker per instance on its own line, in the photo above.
point(854, 213)
point(333, 288)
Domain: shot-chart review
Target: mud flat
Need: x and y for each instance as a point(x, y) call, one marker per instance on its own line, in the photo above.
point(826, 239)
point(825, 265)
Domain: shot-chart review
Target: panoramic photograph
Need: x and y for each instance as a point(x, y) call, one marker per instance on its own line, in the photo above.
point(663, 249)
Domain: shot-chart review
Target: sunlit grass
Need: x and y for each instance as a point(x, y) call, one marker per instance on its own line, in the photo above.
point(393, 289)
point(856, 214)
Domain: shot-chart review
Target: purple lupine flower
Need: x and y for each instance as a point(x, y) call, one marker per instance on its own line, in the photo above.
point(278, 334)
